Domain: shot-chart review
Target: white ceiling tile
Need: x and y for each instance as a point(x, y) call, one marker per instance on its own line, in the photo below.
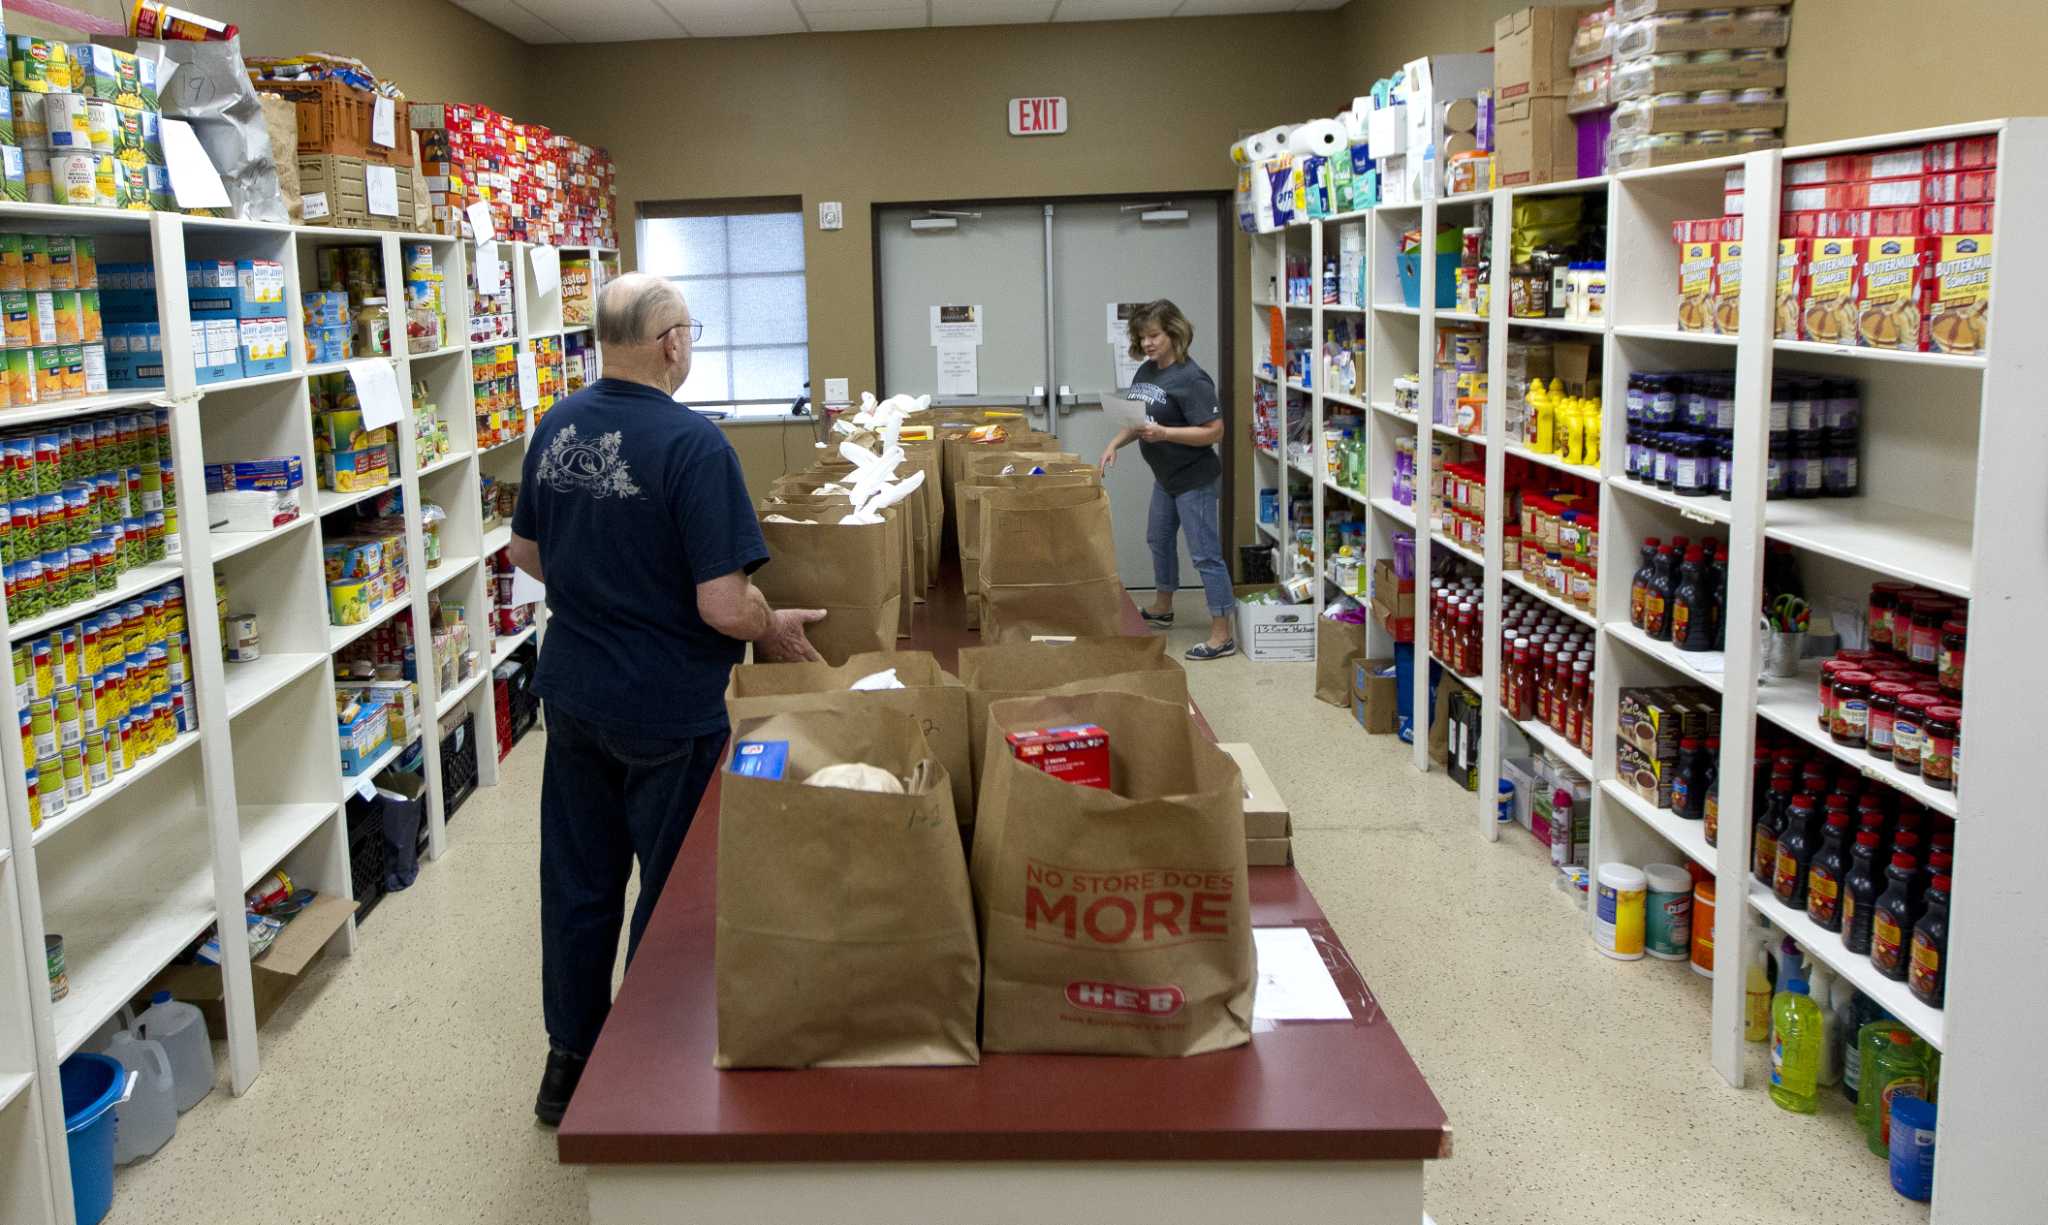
point(1113, 10)
point(734, 18)
point(606, 21)
point(1224, 8)
point(990, 12)
point(515, 20)
point(895, 17)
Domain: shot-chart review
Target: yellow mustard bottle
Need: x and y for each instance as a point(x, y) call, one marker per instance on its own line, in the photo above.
point(1539, 405)
point(1592, 447)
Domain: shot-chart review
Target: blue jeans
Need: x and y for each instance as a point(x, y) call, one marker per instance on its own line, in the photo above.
point(1195, 513)
point(605, 800)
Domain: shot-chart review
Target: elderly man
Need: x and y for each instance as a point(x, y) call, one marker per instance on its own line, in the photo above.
point(633, 510)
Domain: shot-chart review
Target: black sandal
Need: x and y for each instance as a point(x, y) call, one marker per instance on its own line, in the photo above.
point(1202, 650)
point(1153, 618)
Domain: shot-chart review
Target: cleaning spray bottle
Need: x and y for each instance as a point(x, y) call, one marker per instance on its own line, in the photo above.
point(1820, 983)
point(1756, 989)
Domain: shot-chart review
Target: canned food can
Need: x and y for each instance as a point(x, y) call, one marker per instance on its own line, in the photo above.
point(75, 786)
point(30, 128)
point(98, 770)
point(101, 119)
point(67, 126)
point(53, 956)
point(74, 179)
point(70, 720)
point(50, 785)
point(42, 722)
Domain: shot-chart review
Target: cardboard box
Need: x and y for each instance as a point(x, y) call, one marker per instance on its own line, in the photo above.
point(273, 976)
point(1375, 698)
point(1265, 813)
point(1721, 116)
point(1654, 720)
point(1275, 633)
point(1644, 775)
point(1534, 141)
point(1078, 755)
point(1645, 158)
point(1532, 51)
point(1268, 852)
point(1645, 80)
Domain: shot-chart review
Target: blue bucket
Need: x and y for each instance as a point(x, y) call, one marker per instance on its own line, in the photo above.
point(93, 1085)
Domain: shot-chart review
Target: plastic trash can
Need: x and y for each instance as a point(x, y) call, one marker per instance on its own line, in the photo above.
point(92, 1086)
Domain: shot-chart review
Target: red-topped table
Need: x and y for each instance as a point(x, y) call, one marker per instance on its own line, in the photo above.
point(1313, 1121)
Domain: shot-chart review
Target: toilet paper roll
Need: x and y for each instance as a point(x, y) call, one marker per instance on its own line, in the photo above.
point(1238, 154)
point(1317, 138)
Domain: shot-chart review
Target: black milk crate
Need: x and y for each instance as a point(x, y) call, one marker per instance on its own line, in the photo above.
point(458, 767)
point(366, 855)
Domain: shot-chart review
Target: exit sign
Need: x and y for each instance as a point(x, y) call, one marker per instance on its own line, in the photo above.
point(1038, 116)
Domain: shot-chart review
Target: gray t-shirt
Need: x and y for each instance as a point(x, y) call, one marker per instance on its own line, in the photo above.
point(1181, 394)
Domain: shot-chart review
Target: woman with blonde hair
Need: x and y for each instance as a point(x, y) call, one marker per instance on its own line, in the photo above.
point(1184, 422)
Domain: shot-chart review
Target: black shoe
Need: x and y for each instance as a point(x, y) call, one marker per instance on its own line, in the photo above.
point(557, 1086)
point(1203, 650)
point(1153, 618)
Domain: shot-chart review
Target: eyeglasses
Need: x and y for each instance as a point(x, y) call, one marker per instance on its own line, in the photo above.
point(696, 327)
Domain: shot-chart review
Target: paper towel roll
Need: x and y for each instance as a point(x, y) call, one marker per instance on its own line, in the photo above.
point(1270, 143)
point(1317, 138)
point(1238, 154)
point(1461, 115)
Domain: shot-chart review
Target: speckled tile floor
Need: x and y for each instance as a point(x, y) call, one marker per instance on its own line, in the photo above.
point(398, 1083)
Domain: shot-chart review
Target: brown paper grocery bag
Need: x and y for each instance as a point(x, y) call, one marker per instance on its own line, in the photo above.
point(957, 450)
point(931, 695)
point(1088, 665)
point(1337, 643)
point(853, 572)
point(927, 457)
point(845, 925)
point(1048, 563)
point(968, 534)
point(1113, 922)
point(801, 506)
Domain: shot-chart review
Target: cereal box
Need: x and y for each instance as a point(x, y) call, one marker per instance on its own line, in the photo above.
point(1695, 285)
point(1959, 292)
point(1827, 311)
point(1888, 293)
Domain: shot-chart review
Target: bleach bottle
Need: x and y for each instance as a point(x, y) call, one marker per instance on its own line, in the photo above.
point(182, 1031)
point(150, 1115)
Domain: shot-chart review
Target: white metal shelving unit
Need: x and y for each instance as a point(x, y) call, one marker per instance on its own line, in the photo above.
point(1950, 443)
point(144, 866)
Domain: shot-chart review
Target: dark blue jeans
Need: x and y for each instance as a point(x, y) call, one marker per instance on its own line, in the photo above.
point(605, 800)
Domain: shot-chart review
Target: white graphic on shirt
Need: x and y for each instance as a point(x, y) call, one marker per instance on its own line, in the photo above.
point(571, 465)
point(1150, 393)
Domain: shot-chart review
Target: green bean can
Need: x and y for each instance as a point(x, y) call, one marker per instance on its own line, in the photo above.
point(53, 954)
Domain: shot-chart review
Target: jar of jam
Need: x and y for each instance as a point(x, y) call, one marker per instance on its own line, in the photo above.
point(1884, 706)
point(1948, 664)
point(1902, 617)
point(1851, 716)
point(1884, 597)
point(1941, 747)
point(1923, 646)
point(1829, 670)
point(1909, 725)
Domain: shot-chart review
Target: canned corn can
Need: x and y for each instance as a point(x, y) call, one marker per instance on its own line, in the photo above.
point(50, 785)
point(76, 787)
point(98, 770)
point(43, 727)
point(70, 719)
point(67, 127)
point(74, 179)
point(53, 957)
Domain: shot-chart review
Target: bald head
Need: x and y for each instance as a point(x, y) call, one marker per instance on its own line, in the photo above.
point(635, 308)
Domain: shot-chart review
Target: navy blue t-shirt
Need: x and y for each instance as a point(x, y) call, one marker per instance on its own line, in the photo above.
point(634, 500)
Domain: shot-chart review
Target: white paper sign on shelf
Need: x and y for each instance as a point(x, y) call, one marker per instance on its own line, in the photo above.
point(957, 323)
point(529, 381)
point(547, 269)
point(366, 788)
point(527, 589)
point(384, 123)
point(380, 185)
point(1294, 984)
point(487, 269)
point(313, 206)
point(480, 222)
point(376, 382)
point(194, 180)
point(959, 369)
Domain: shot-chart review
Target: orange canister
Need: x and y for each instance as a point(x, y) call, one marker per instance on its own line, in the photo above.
point(1703, 928)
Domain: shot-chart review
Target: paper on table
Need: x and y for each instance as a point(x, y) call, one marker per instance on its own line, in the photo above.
point(193, 178)
point(487, 269)
point(527, 589)
point(380, 186)
point(959, 368)
point(377, 387)
point(547, 269)
point(1294, 984)
point(529, 381)
point(384, 123)
point(1122, 413)
point(480, 222)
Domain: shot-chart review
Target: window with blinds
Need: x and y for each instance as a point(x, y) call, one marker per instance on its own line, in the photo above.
point(740, 265)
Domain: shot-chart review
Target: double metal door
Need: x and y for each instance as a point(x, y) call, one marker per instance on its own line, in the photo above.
point(1044, 279)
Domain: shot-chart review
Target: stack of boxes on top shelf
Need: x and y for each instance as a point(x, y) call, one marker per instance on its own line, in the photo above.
point(1431, 128)
point(1268, 828)
point(1887, 250)
point(1660, 82)
point(542, 186)
point(81, 127)
point(238, 308)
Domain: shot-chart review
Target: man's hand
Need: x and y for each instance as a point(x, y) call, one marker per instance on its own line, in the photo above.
point(785, 643)
point(1108, 459)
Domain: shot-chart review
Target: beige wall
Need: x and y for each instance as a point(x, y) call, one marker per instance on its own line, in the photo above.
point(435, 51)
point(920, 115)
point(1856, 67)
point(771, 449)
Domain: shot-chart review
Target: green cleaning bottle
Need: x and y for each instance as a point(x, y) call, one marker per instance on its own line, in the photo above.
point(1795, 1050)
point(1903, 1064)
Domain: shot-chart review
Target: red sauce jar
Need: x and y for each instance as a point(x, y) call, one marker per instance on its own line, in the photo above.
point(1923, 649)
point(1884, 705)
point(1884, 597)
point(1829, 670)
point(1902, 617)
point(1948, 666)
point(1941, 748)
point(1850, 720)
point(1909, 725)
